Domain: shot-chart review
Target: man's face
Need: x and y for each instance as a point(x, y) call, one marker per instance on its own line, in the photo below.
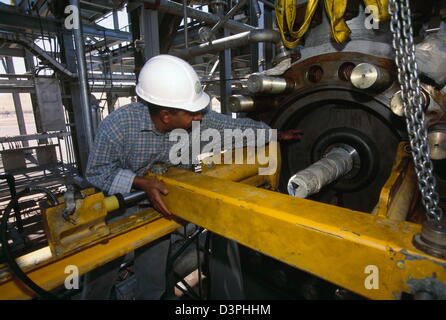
point(183, 119)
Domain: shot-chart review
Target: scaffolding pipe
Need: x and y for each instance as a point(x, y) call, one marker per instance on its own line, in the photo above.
point(234, 41)
point(186, 40)
point(225, 19)
point(177, 9)
point(37, 51)
point(83, 80)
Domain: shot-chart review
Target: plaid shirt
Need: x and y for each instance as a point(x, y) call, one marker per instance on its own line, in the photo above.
point(127, 144)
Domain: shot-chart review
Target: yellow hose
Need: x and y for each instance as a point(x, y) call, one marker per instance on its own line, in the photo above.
point(286, 12)
point(335, 10)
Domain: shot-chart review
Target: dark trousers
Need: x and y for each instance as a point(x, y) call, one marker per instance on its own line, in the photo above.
point(225, 272)
point(150, 271)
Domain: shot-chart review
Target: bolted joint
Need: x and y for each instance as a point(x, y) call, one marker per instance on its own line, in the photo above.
point(432, 239)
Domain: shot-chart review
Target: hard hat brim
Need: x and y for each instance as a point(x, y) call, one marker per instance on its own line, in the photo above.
point(199, 104)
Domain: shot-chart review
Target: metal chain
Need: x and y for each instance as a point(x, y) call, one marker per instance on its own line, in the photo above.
point(403, 43)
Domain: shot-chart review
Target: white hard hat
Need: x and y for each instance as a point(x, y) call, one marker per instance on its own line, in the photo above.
point(169, 81)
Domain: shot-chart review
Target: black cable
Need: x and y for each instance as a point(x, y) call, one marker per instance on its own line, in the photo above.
point(206, 258)
point(14, 267)
point(180, 251)
point(12, 191)
point(197, 248)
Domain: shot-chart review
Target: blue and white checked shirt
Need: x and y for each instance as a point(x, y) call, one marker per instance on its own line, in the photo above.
point(127, 144)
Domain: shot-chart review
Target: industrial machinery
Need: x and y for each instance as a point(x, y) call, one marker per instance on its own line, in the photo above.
point(344, 217)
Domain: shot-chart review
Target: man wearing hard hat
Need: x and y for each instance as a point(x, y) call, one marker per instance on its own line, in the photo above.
point(135, 137)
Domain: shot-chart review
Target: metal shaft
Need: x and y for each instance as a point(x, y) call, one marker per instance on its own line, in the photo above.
point(337, 163)
point(239, 103)
point(82, 74)
point(134, 197)
point(230, 42)
point(270, 85)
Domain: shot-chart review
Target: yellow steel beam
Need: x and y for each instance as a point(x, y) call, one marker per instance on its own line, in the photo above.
point(400, 192)
point(345, 247)
point(49, 271)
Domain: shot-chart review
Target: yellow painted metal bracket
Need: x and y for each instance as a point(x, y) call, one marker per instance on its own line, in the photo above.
point(49, 271)
point(345, 247)
point(400, 192)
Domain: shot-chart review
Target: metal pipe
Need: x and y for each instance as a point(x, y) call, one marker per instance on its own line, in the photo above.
point(268, 4)
point(229, 15)
point(134, 197)
point(83, 80)
point(37, 51)
point(234, 41)
point(335, 164)
point(256, 8)
point(117, 77)
point(17, 103)
point(177, 9)
point(185, 23)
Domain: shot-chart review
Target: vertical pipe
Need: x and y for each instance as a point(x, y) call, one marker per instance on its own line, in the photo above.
point(115, 20)
point(82, 74)
point(29, 66)
point(17, 103)
point(150, 32)
point(224, 65)
point(268, 47)
point(261, 45)
point(185, 23)
point(254, 47)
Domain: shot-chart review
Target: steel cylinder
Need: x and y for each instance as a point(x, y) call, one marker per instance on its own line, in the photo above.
point(269, 85)
point(437, 142)
point(335, 164)
point(370, 77)
point(239, 103)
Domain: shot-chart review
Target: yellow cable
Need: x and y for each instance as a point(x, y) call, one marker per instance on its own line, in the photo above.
point(286, 14)
point(335, 11)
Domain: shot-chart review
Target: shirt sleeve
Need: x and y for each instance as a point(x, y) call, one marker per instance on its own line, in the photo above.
point(104, 168)
point(222, 122)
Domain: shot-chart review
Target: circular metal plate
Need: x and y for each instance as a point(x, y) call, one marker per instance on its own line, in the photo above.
point(364, 76)
point(437, 144)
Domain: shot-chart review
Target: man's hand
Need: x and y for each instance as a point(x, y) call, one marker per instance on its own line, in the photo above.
point(154, 189)
point(292, 134)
